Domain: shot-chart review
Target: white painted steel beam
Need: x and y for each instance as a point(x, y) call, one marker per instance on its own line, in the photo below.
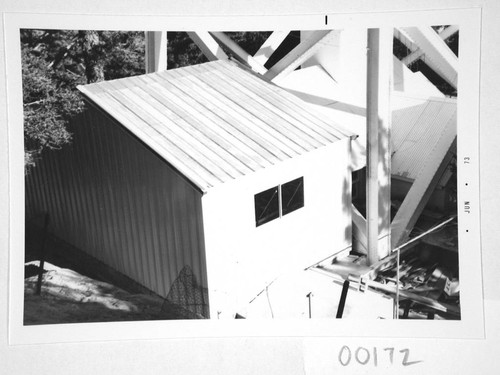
point(269, 46)
point(404, 38)
point(224, 39)
point(378, 123)
point(438, 55)
point(418, 53)
point(299, 54)
point(156, 51)
point(208, 45)
point(412, 57)
point(449, 31)
point(422, 188)
point(359, 231)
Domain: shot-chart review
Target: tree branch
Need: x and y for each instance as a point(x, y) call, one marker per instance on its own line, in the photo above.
point(35, 102)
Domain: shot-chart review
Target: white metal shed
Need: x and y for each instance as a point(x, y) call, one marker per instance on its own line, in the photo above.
point(207, 166)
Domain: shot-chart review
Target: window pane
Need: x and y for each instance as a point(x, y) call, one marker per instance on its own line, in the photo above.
point(266, 206)
point(292, 195)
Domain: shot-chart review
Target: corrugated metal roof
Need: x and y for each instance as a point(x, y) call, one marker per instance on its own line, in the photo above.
point(419, 118)
point(418, 124)
point(215, 121)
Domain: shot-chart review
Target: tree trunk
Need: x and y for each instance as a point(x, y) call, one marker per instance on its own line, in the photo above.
point(92, 55)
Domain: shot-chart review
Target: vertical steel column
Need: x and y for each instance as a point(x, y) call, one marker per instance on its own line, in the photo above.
point(156, 51)
point(43, 254)
point(378, 168)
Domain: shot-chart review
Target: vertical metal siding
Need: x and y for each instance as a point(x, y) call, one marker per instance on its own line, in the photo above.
point(112, 197)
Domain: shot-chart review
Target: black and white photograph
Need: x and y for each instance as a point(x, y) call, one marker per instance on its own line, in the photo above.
point(224, 187)
point(241, 175)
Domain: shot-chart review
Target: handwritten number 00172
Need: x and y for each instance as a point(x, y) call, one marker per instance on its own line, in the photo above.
point(363, 356)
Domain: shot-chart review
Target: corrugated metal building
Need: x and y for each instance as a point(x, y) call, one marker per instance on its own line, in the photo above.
point(423, 129)
point(207, 166)
point(424, 132)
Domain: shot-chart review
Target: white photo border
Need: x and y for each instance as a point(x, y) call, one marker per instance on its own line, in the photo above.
point(471, 324)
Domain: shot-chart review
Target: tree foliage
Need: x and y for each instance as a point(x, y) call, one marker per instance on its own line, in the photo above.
point(182, 51)
point(54, 62)
point(48, 93)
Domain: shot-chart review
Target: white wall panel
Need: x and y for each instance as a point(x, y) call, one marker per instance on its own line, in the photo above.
point(243, 258)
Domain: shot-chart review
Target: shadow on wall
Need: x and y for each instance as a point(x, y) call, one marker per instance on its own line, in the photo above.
point(347, 206)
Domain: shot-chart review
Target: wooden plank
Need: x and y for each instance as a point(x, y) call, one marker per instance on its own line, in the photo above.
point(208, 45)
point(156, 51)
point(239, 52)
point(298, 55)
point(270, 46)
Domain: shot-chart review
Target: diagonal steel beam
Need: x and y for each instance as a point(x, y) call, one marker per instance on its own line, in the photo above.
point(270, 46)
point(224, 39)
point(208, 45)
point(438, 55)
point(418, 53)
point(299, 54)
point(449, 31)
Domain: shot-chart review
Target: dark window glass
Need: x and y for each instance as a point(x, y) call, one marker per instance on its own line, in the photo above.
point(355, 183)
point(266, 206)
point(292, 195)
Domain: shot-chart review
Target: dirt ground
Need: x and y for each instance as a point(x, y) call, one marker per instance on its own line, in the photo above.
point(69, 297)
point(77, 288)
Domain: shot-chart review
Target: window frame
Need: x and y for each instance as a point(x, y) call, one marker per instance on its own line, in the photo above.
point(259, 220)
point(301, 203)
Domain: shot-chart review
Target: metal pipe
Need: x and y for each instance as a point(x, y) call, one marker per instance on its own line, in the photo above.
point(396, 308)
point(425, 233)
point(309, 295)
point(42, 256)
point(343, 297)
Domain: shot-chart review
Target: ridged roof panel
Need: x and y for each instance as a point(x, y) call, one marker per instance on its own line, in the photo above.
point(417, 128)
point(214, 122)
